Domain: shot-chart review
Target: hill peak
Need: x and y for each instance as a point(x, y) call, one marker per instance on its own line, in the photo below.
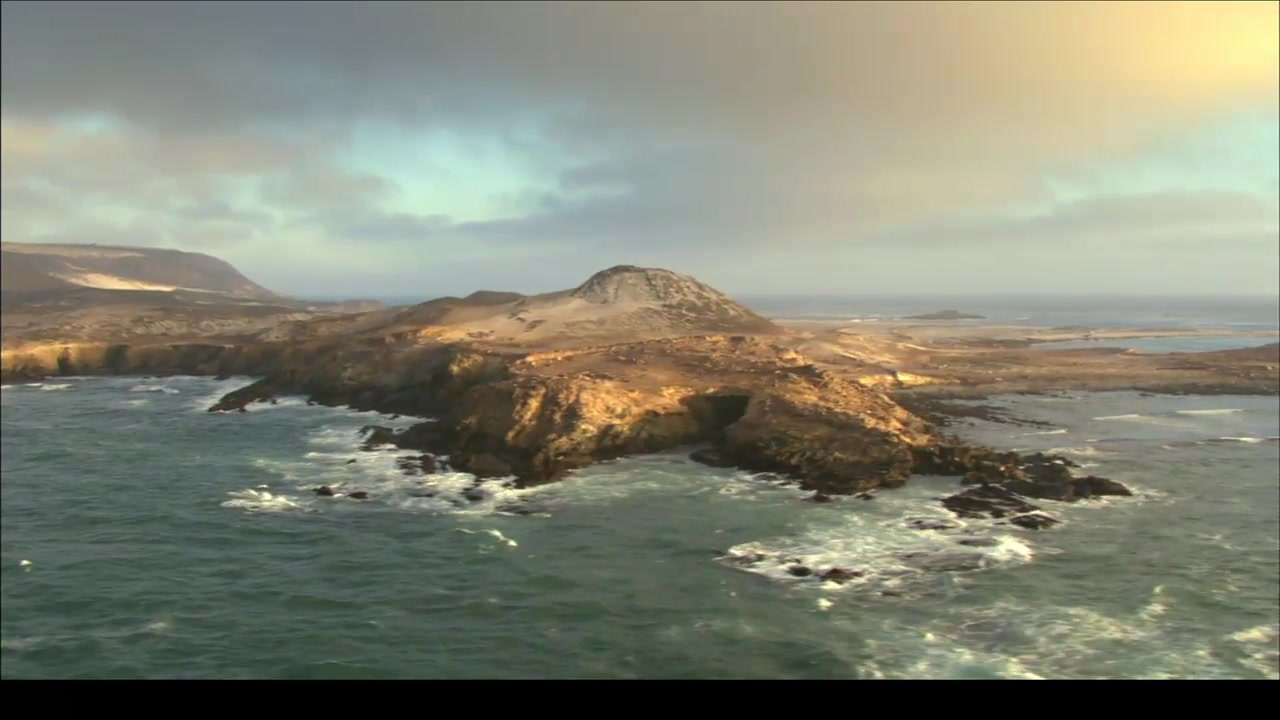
point(626, 284)
point(669, 299)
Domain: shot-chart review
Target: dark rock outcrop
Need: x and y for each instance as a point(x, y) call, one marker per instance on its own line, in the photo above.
point(1038, 475)
point(1068, 488)
point(841, 575)
point(991, 501)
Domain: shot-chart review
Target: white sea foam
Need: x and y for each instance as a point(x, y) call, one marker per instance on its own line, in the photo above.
point(1129, 416)
point(1087, 451)
point(1156, 607)
point(58, 386)
point(1258, 634)
point(167, 390)
point(1261, 647)
point(379, 473)
point(497, 534)
point(1059, 431)
point(881, 543)
point(1008, 639)
point(1221, 411)
point(262, 501)
point(503, 538)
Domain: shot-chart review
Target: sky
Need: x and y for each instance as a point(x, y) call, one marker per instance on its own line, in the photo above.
point(845, 148)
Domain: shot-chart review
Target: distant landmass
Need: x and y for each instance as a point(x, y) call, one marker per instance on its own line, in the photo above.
point(945, 315)
point(83, 292)
point(34, 267)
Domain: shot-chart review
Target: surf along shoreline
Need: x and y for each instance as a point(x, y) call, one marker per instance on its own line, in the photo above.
point(496, 415)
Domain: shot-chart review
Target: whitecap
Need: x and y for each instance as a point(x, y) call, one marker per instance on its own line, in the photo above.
point(261, 501)
point(498, 534)
point(155, 388)
point(1088, 451)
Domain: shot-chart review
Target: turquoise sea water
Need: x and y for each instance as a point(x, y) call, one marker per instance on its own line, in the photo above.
point(146, 538)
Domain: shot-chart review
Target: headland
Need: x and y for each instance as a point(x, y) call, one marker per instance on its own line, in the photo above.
point(640, 360)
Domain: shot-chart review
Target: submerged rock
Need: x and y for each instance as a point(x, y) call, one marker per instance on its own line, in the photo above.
point(931, 524)
point(800, 571)
point(977, 541)
point(324, 491)
point(711, 457)
point(947, 562)
point(358, 495)
point(375, 435)
point(1033, 521)
point(428, 463)
point(748, 559)
point(841, 575)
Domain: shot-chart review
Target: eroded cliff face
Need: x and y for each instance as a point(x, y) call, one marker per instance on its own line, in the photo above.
point(835, 436)
point(63, 359)
point(537, 428)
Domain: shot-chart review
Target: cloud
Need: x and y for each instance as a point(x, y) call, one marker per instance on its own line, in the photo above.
point(1147, 222)
point(651, 130)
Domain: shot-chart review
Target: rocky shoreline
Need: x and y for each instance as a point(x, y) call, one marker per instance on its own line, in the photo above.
point(748, 403)
point(494, 419)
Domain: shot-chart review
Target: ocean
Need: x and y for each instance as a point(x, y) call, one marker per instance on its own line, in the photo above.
point(143, 537)
point(1040, 311)
point(146, 538)
point(1229, 316)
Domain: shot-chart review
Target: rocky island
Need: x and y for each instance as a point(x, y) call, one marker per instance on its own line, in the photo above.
point(634, 360)
point(944, 315)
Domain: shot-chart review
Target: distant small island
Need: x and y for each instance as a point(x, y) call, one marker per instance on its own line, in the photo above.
point(945, 315)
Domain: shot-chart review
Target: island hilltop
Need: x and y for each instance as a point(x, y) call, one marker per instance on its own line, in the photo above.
point(634, 360)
